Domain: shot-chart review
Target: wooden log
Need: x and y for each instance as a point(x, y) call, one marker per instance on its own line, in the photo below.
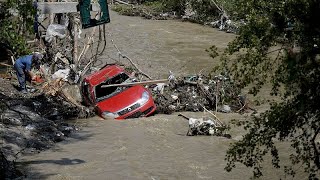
point(218, 120)
point(87, 46)
point(217, 6)
point(122, 2)
point(4, 64)
point(136, 83)
point(51, 15)
point(191, 83)
point(130, 60)
point(5, 76)
point(12, 58)
point(75, 39)
point(184, 116)
point(31, 41)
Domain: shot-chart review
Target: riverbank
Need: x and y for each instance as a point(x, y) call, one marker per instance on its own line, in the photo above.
point(29, 124)
point(206, 13)
point(157, 11)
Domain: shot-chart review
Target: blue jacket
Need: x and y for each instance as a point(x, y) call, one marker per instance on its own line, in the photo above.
point(24, 62)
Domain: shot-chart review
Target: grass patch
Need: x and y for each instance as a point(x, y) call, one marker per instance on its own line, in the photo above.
point(126, 10)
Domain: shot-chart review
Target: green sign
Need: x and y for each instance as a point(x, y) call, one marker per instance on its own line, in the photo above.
point(86, 19)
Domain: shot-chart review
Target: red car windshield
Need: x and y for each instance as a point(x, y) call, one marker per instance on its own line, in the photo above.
point(104, 93)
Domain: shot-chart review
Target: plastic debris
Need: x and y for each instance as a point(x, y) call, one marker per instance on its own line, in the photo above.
point(201, 127)
point(159, 87)
point(196, 92)
point(55, 30)
point(61, 74)
point(205, 126)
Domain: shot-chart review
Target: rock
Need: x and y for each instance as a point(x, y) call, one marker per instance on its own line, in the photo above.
point(74, 92)
point(26, 112)
point(164, 14)
point(11, 118)
point(215, 24)
point(36, 105)
point(30, 127)
point(59, 136)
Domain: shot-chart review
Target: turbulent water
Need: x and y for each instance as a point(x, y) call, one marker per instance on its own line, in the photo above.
point(154, 147)
point(160, 46)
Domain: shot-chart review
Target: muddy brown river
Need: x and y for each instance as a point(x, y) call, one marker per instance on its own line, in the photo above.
point(147, 148)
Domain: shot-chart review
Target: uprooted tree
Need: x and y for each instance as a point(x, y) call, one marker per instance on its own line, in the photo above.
point(291, 30)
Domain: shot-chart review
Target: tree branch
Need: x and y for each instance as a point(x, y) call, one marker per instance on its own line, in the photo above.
point(130, 60)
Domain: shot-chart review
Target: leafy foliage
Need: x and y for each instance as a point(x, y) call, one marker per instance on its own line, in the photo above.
point(148, 8)
point(154, 6)
point(174, 5)
point(292, 27)
point(205, 10)
point(16, 23)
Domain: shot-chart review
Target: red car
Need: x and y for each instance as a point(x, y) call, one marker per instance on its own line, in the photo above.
point(116, 102)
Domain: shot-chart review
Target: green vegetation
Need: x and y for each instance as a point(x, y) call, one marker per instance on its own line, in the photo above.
point(205, 10)
point(16, 23)
point(146, 10)
point(126, 10)
point(293, 27)
point(154, 8)
point(174, 5)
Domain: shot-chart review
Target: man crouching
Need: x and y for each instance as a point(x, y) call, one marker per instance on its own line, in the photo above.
point(23, 67)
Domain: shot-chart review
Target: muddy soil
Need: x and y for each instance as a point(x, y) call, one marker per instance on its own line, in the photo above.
point(147, 148)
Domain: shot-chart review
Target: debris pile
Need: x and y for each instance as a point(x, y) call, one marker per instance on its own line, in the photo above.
point(198, 92)
point(34, 123)
point(206, 126)
point(31, 123)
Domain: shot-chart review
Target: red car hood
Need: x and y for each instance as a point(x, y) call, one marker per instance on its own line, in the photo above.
point(122, 99)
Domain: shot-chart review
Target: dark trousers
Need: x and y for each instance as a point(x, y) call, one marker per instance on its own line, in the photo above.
point(21, 77)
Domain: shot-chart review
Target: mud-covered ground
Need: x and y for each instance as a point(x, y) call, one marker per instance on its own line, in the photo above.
point(155, 147)
point(30, 123)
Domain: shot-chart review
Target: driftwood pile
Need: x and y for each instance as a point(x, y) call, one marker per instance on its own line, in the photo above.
point(197, 93)
point(209, 126)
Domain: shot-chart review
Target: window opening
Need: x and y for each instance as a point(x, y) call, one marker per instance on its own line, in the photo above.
point(104, 93)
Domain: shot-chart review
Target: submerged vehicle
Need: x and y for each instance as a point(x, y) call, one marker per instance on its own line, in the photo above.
point(119, 102)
